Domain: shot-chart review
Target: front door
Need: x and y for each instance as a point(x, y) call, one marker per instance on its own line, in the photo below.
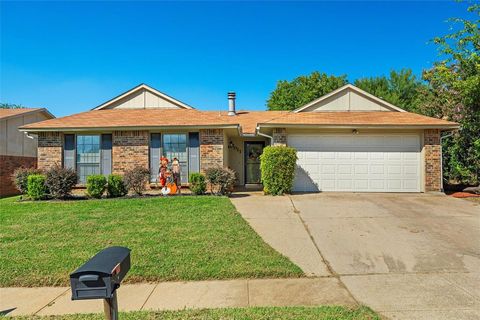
point(253, 150)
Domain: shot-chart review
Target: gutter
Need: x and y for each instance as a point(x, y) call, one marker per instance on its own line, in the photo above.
point(264, 135)
point(356, 126)
point(101, 129)
point(28, 135)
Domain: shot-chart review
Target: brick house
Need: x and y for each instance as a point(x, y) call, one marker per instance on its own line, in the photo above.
point(347, 140)
point(17, 149)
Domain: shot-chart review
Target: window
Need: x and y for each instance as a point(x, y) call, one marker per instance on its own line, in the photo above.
point(88, 156)
point(175, 146)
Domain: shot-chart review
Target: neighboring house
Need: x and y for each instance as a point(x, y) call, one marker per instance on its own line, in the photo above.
point(16, 148)
point(347, 140)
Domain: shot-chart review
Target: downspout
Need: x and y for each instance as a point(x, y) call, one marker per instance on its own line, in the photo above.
point(441, 154)
point(265, 135)
point(29, 136)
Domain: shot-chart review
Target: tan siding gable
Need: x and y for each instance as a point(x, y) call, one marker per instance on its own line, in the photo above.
point(348, 98)
point(143, 97)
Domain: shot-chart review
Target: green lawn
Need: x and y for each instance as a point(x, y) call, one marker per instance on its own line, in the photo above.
point(269, 313)
point(173, 238)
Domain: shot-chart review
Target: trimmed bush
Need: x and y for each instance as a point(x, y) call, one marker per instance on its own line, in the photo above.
point(221, 180)
point(198, 184)
point(277, 165)
point(60, 181)
point(20, 178)
point(136, 179)
point(115, 186)
point(96, 185)
point(36, 187)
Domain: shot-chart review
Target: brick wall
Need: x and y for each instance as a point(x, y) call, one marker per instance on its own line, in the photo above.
point(211, 148)
point(433, 160)
point(279, 137)
point(8, 164)
point(49, 149)
point(130, 149)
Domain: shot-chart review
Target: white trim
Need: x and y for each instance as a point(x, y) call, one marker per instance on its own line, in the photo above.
point(353, 126)
point(357, 90)
point(147, 88)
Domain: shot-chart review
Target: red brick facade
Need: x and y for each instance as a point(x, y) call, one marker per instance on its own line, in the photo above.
point(433, 160)
point(211, 148)
point(49, 149)
point(130, 149)
point(279, 137)
point(8, 164)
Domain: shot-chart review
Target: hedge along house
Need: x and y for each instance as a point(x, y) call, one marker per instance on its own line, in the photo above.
point(347, 140)
point(17, 149)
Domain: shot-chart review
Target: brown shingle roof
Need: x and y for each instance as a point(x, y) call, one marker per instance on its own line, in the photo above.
point(6, 113)
point(246, 120)
point(358, 118)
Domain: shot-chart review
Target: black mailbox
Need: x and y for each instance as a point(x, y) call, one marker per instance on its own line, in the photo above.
point(100, 276)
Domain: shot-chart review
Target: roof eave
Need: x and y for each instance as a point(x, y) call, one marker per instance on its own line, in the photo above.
point(44, 110)
point(353, 126)
point(129, 128)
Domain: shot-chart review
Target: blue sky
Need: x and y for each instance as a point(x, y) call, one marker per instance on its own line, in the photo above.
point(72, 56)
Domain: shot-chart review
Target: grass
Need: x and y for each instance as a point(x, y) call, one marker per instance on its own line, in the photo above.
point(265, 313)
point(473, 199)
point(174, 238)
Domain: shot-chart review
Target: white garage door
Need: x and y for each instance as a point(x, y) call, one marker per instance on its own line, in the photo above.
point(364, 163)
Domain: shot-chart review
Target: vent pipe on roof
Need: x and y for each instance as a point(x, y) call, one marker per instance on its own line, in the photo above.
point(231, 104)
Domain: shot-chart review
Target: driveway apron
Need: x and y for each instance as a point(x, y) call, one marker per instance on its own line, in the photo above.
point(408, 256)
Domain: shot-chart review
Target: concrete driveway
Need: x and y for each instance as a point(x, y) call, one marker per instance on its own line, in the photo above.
point(408, 256)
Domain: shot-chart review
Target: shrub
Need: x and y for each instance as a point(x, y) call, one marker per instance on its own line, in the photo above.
point(136, 179)
point(115, 186)
point(36, 187)
point(198, 185)
point(60, 181)
point(277, 165)
point(221, 180)
point(20, 178)
point(96, 185)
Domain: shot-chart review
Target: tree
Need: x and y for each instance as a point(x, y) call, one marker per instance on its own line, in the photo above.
point(401, 89)
point(10, 106)
point(454, 94)
point(289, 95)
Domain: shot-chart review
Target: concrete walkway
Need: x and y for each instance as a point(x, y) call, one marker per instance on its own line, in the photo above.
point(181, 295)
point(274, 219)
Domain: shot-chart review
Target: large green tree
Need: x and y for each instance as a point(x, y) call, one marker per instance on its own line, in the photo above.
point(401, 88)
point(10, 106)
point(289, 95)
point(454, 94)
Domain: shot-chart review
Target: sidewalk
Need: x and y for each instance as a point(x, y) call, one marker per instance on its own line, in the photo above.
point(181, 295)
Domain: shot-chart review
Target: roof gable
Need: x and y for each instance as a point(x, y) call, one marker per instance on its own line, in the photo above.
point(11, 113)
point(143, 97)
point(348, 98)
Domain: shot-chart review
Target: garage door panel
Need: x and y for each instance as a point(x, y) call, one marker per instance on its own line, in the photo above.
point(377, 169)
point(328, 168)
point(361, 169)
point(411, 184)
point(378, 163)
point(345, 184)
point(361, 184)
point(394, 169)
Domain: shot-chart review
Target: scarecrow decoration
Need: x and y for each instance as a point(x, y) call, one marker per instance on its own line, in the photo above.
point(169, 179)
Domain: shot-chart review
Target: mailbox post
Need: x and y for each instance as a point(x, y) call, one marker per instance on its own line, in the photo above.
point(100, 277)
